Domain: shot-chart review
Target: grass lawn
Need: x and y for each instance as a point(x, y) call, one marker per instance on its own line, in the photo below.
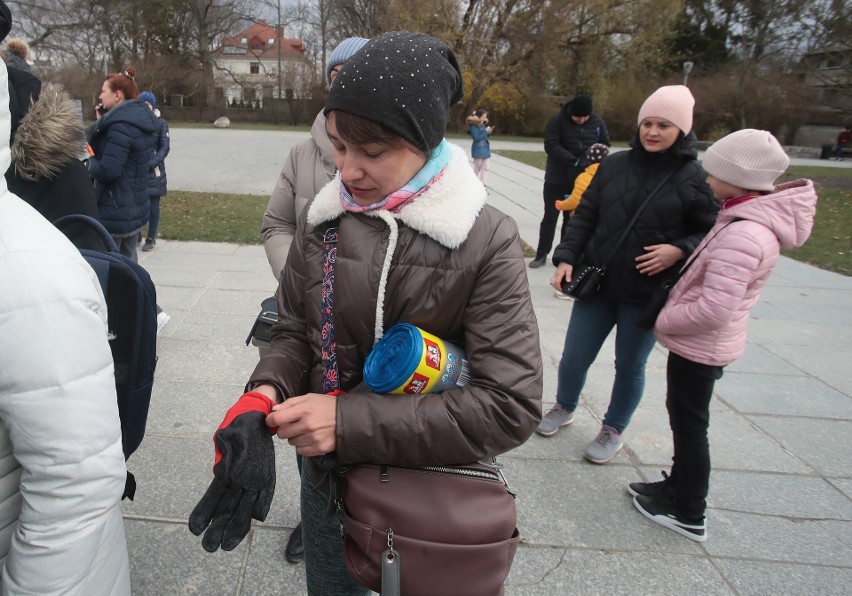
point(217, 217)
point(830, 244)
point(212, 217)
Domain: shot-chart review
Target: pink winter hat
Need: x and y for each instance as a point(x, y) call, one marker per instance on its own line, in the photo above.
point(673, 103)
point(749, 159)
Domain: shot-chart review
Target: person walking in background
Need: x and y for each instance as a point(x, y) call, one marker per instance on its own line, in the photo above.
point(477, 126)
point(62, 469)
point(416, 242)
point(661, 165)
point(705, 320)
point(122, 139)
point(157, 187)
point(17, 53)
point(842, 141)
point(309, 167)
point(568, 135)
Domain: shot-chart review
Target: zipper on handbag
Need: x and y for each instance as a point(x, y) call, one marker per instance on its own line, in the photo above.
point(469, 472)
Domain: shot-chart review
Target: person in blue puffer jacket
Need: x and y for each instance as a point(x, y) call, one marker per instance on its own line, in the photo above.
point(122, 140)
point(480, 151)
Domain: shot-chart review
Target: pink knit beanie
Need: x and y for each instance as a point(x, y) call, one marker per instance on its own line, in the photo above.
point(673, 103)
point(749, 159)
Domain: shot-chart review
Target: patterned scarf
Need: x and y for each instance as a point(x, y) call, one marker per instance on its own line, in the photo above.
point(431, 172)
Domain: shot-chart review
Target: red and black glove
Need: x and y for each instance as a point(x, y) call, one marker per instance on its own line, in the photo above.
point(243, 475)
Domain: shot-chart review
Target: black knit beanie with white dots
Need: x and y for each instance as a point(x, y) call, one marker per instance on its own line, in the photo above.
point(404, 81)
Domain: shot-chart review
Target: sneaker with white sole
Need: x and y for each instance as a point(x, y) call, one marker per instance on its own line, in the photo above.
point(604, 446)
point(664, 489)
point(556, 418)
point(162, 320)
point(663, 512)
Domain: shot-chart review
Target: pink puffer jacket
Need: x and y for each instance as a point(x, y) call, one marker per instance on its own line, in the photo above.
point(706, 317)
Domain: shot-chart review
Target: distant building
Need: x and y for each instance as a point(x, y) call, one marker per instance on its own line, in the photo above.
point(260, 62)
point(828, 73)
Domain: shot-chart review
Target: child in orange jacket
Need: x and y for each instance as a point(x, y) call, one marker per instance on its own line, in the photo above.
point(594, 156)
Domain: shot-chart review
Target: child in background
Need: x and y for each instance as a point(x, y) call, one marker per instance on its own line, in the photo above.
point(704, 321)
point(594, 156)
point(480, 151)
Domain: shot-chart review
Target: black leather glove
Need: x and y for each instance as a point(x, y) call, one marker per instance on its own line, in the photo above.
point(244, 477)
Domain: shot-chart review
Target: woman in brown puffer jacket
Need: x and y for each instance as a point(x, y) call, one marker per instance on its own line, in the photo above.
point(416, 244)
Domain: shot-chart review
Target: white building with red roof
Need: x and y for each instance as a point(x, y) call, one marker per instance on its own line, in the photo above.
point(259, 58)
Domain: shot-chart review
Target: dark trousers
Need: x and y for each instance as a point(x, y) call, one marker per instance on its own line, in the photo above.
point(547, 229)
point(690, 388)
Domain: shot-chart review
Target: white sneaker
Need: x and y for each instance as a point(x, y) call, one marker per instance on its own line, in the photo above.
point(562, 295)
point(162, 320)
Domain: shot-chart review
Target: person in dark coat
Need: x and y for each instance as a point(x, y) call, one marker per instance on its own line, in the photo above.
point(568, 135)
point(46, 170)
point(157, 186)
point(667, 230)
point(122, 139)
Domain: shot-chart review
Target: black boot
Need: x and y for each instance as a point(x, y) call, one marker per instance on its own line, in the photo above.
point(538, 262)
point(295, 551)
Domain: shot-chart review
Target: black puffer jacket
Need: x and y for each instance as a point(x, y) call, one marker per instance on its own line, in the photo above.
point(566, 142)
point(680, 213)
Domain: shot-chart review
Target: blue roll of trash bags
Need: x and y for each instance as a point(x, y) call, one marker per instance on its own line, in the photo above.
point(408, 360)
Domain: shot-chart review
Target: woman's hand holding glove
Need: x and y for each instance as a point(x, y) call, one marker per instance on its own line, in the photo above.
point(244, 475)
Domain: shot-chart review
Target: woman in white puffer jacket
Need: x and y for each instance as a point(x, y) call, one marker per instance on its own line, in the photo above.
point(62, 469)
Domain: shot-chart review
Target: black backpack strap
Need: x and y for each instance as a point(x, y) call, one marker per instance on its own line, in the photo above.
point(63, 222)
point(129, 487)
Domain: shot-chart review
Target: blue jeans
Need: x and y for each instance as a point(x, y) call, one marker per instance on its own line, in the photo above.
point(590, 325)
point(324, 567)
point(154, 221)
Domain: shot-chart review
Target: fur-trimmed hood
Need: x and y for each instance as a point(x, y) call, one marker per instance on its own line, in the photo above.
point(445, 212)
point(50, 134)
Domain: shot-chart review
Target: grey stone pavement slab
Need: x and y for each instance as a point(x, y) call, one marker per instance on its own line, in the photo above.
point(780, 507)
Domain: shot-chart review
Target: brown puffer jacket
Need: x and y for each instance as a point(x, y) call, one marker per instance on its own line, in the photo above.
point(454, 267)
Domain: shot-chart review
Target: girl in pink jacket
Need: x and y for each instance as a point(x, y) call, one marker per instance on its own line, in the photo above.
point(704, 321)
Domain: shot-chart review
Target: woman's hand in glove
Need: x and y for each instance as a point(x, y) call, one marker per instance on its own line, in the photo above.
point(243, 475)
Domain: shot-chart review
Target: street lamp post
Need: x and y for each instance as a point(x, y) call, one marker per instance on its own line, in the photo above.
point(687, 68)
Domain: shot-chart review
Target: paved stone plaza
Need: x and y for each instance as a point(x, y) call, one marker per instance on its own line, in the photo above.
point(780, 516)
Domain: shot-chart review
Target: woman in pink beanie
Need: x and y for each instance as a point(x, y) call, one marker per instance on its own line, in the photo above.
point(704, 321)
point(661, 167)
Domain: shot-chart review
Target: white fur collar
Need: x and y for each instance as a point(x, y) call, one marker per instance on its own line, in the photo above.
point(445, 212)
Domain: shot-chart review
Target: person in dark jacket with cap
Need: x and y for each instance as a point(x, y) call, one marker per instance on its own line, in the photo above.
point(415, 242)
point(157, 184)
point(568, 135)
